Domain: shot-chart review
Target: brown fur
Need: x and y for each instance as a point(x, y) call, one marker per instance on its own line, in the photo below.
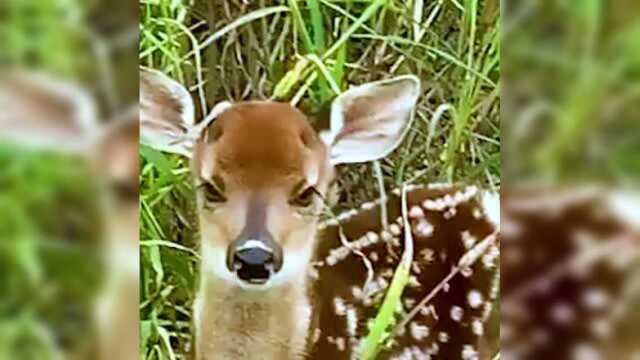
point(261, 151)
point(277, 144)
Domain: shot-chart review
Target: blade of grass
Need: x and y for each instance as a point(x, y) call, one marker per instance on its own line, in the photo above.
point(240, 21)
point(369, 12)
point(317, 25)
point(386, 314)
point(302, 27)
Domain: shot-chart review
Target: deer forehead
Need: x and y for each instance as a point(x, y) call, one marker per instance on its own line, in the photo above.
point(261, 144)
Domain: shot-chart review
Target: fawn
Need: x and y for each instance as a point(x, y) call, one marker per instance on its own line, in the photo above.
point(570, 264)
point(278, 284)
point(50, 114)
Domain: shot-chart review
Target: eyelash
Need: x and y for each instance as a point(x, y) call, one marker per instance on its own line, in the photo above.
point(304, 198)
point(213, 191)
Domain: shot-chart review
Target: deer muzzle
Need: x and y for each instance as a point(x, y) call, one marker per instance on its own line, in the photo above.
point(254, 261)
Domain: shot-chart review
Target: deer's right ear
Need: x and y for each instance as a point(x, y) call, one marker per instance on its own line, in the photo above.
point(166, 114)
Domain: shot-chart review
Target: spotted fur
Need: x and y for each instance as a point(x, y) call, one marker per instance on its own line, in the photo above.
point(446, 223)
point(567, 266)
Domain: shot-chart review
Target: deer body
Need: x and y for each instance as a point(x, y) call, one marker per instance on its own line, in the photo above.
point(236, 324)
point(276, 284)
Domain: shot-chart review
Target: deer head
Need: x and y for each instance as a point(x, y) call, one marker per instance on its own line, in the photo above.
point(261, 170)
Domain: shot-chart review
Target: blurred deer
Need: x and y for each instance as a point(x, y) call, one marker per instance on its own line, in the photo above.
point(49, 114)
point(570, 273)
point(278, 284)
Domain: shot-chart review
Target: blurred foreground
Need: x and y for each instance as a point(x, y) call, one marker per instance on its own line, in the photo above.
point(68, 180)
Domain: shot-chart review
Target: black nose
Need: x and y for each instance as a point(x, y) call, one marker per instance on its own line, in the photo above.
point(254, 264)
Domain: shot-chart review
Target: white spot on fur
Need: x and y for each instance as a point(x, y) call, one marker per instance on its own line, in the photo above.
point(352, 321)
point(339, 306)
point(595, 299)
point(456, 313)
point(443, 337)
point(423, 228)
point(562, 313)
point(586, 351)
point(474, 297)
point(469, 353)
point(477, 328)
point(468, 240)
point(416, 212)
point(418, 332)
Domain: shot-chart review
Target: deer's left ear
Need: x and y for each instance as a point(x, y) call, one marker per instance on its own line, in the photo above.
point(369, 121)
point(46, 112)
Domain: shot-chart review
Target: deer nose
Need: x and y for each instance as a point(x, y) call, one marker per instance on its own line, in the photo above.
point(254, 261)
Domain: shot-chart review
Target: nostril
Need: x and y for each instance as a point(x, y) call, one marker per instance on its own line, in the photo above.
point(254, 264)
point(253, 257)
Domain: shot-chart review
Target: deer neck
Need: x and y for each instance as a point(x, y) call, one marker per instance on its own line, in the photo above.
point(236, 323)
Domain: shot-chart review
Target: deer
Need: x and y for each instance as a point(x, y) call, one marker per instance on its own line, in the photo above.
point(46, 113)
point(278, 282)
point(570, 260)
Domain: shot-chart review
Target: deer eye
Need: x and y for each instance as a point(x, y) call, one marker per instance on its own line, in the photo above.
point(125, 190)
point(213, 190)
point(304, 198)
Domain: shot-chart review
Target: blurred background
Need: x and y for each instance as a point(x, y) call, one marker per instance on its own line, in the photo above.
point(68, 68)
point(570, 118)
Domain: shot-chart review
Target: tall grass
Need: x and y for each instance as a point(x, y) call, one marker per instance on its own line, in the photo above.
point(306, 52)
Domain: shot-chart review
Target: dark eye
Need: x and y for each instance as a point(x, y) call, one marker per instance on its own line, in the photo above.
point(213, 190)
point(125, 190)
point(304, 198)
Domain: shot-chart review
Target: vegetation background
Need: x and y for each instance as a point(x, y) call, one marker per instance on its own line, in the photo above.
point(306, 52)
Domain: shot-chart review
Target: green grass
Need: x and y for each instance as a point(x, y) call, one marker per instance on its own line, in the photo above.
point(50, 266)
point(306, 52)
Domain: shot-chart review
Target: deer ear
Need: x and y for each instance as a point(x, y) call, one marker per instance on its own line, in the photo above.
point(116, 149)
point(369, 121)
point(44, 112)
point(166, 113)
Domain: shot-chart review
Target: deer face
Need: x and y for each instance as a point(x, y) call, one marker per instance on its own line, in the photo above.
point(261, 171)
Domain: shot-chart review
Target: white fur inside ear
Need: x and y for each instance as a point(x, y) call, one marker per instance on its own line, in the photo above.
point(379, 115)
point(23, 122)
point(166, 114)
point(176, 91)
